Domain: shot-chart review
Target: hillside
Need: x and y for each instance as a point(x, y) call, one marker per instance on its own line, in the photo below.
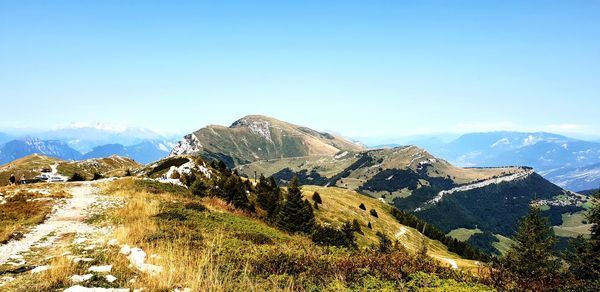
point(34, 165)
point(450, 197)
point(106, 233)
point(255, 138)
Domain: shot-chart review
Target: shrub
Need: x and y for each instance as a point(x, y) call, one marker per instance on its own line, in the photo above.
point(97, 176)
point(373, 213)
point(325, 235)
point(198, 188)
point(317, 198)
point(77, 177)
point(356, 226)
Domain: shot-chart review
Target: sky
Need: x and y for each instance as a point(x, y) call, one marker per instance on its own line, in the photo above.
point(358, 68)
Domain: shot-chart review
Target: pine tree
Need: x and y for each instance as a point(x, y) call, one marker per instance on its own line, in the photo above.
point(296, 214)
point(317, 198)
point(268, 195)
point(356, 226)
point(198, 188)
point(369, 226)
point(374, 213)
point(531, 257)
point(362, 206)
point(585, 258)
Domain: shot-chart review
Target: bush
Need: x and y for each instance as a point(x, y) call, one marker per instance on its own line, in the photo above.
point(317, 198)
point(77, 177)
point(198, 188)
point(373, 213)
point(325, 235)
point(97, 176)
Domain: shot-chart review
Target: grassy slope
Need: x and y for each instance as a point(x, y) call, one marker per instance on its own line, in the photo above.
point(30, 166)
point(109, 166)
point(341, 205)
point(463, 234)
point(224, 249)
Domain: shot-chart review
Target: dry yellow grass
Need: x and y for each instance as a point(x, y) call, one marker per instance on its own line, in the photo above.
point(184, 266)
point(341, 205)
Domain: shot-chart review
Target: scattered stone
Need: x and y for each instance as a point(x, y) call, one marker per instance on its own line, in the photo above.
point(100, 269)
point(78, 288)
point(110, 278)
point(78, 259)
point(81, 278)
point(39, 269)
point(113, 242)
point(79, 240)
point(126, 250)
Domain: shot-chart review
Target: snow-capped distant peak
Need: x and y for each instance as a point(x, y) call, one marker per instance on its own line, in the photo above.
point(503, 141)
point(530, 140)
point(116, 128)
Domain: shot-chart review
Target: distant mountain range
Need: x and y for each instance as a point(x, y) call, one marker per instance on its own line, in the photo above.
point(570, 163)
point(84, 141)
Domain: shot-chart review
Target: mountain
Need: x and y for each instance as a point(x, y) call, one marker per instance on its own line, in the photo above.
point(16, 149)
point(255, 138)
point(575, 178)
point(554, 156)
point(85, 136)
point(144, 152)
point(490, 199)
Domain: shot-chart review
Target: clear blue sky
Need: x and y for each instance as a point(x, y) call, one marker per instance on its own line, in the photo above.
point(361, 68)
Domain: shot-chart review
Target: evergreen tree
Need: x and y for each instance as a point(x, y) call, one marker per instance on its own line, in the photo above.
point(296, 214)
point(374, 213)
point(531, 257)
point(385, 244)
point(235, 193)
point(369, 226)
point(356, 226)
point(317, 198)
point(315, 205)
point(585, 258)
point(77, 177)
point(198, 188)
point(268, 195)
point(362, 206)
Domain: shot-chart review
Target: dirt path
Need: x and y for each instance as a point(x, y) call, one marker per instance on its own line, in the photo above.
point(65, 218)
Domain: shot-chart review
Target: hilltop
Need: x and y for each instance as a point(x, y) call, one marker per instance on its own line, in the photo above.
point(35, 165)
point(254, 138)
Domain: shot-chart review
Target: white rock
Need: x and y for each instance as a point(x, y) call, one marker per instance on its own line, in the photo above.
point(78, 288)
point(79, 240)
point(100, 269)
point(40, 269)
point(125, 250)
point(110, 278)
point(137, 257)
point(113, 242)
point(81, 278)
point(78, 259)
